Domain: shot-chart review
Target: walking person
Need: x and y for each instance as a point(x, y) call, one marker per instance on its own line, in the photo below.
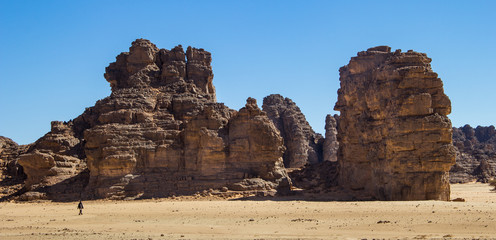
point(80, 207)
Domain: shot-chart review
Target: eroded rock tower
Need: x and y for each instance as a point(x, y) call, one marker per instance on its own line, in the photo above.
point(394, 134)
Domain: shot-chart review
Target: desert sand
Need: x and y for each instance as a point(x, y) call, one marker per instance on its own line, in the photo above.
point(249, 219)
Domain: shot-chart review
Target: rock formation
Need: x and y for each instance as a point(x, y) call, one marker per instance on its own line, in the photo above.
point(331, 144)
point(302, 144)
point(53, 159)
point(9, 155)
point(394, 134)
point(9, 152)
point(321, 177)
point(11, 173)
point(161, 132)
point(476, 154)
point(8, 149)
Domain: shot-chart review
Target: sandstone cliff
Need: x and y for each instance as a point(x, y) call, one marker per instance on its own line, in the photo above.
point(302, 144)
point(161, 132)
point(476, 154)
point(394, 136)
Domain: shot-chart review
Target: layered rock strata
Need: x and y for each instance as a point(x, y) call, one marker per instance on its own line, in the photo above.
point(303, 145)
point(161, 132)
point(9, 153)
point(55, 165)
point(476, 154)
point(394, 134)
point(11, 173)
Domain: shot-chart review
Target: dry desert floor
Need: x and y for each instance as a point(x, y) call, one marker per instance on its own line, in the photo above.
point(249, 219)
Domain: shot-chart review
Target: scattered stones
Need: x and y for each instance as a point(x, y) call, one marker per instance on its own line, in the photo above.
point(304, 220)
point(383, 222)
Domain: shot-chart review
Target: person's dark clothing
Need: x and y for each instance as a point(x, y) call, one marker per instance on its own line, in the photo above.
point(80, 207)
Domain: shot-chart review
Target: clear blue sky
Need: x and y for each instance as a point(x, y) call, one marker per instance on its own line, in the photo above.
point(53, 53)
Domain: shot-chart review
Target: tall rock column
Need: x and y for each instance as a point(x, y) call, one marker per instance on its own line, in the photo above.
point(331, 144)
point(394, 133)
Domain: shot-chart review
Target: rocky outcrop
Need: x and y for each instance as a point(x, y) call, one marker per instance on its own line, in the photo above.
point(331, 144)
point(55, 158)
point(394, 135)
point(8, 149)
point(255, 144)
point(11, 173)
point(9, 152)
point(475, 155)
point(303, 145)
point(161, 132)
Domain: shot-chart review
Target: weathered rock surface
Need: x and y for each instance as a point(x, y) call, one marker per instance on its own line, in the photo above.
point(394, 136)
point(476, 154)
point(11, 173)
point(9, 152)
point(9, 155)
point(331, 144)
point(54, 161)
point(161, 132)
point(8, 149)
point(303, 145)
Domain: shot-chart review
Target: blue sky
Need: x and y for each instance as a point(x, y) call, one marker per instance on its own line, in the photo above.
point(53, 53)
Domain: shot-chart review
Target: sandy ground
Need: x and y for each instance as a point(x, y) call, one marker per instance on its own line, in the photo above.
point(270, 219)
